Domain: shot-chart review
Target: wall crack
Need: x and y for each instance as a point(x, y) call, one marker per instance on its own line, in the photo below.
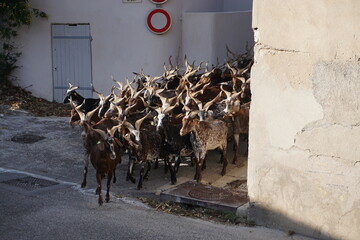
point(270, 48)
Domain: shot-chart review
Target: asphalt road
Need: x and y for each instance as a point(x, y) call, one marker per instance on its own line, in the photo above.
point(65, 211)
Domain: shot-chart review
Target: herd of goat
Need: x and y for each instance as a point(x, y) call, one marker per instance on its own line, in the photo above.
point(176, 115)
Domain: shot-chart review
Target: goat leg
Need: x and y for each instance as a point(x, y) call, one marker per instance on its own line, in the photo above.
point(198, 175)
point(200, 158)
point(246, 139)
point(114, 178)
point(130, 170)
point(177, 163)
point(156, 165)
point(98, 189)
point(224, 160)
point(166, 164)
point(109, 176)
point(203, 167)
point(172, 173)
point(146, 175)
point(141, 178)
point(83, 184)
point(86, 165)
point(236, 147)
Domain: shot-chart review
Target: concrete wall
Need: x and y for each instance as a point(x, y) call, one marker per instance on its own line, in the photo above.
point(304, 157)
point(205, 35)
point(121, 42)
point(237, 5)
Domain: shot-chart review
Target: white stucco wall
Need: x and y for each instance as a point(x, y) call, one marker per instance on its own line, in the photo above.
point(206, 34)
point(303, 167)
point(121, 42)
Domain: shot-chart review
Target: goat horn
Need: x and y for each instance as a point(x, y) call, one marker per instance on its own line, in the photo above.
point(139, 121)
point(193, 114)
point(233, 70)
point(208, 104)
point(170, 64)
point(157, 109)
point(236, 94)
point(128, 125)
point(118, 82)
point(101, 96)
point(187, 109)
point(168, 109)
point(89, 115)
point(228, 51)
point(113, 130)
point(72, 87)
point(245, 69)
point(246, 105)
point(77, 109)
point(102, 133)
point(158, 91)
point(144, 102)
point(228, 94)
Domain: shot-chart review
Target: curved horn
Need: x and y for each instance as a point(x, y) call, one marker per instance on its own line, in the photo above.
point(233, 70)
point(71, 87)
point(89, 115)
point(228, 94)
point(208, 104)
point(128, 125)
point(118, 82)
point(101, 96)
point(102, 133)
point(77, 109)
point(236, 94)
point(139, 121)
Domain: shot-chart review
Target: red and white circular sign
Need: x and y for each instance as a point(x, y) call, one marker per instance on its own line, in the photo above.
point(158, 1)
point(158, 21)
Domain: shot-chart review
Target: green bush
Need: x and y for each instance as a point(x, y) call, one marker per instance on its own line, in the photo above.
point(13, 14)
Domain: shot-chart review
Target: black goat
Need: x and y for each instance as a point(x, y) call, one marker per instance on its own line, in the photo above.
point(87, 104)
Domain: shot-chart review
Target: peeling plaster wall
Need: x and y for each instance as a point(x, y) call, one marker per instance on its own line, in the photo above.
point(304, 156)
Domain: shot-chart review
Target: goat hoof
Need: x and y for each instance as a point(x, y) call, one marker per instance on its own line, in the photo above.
point(107, 199)
point(156, 165)
point(100, 201)
point(223, 172)
point(83, 185)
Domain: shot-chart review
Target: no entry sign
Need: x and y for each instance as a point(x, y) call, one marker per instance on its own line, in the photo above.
point(158, 1)
point(158, 21)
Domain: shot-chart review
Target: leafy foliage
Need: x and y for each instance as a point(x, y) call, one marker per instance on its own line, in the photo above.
point(13, 15)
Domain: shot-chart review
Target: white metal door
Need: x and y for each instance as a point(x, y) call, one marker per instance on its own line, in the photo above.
point(71, 54)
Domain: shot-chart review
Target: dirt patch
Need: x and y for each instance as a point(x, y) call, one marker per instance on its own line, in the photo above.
point(18, 98)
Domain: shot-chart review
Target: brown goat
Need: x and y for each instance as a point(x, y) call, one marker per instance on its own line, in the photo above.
point(104, 156)
point(206, 135)
point(101, 149)
point(239, 114)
